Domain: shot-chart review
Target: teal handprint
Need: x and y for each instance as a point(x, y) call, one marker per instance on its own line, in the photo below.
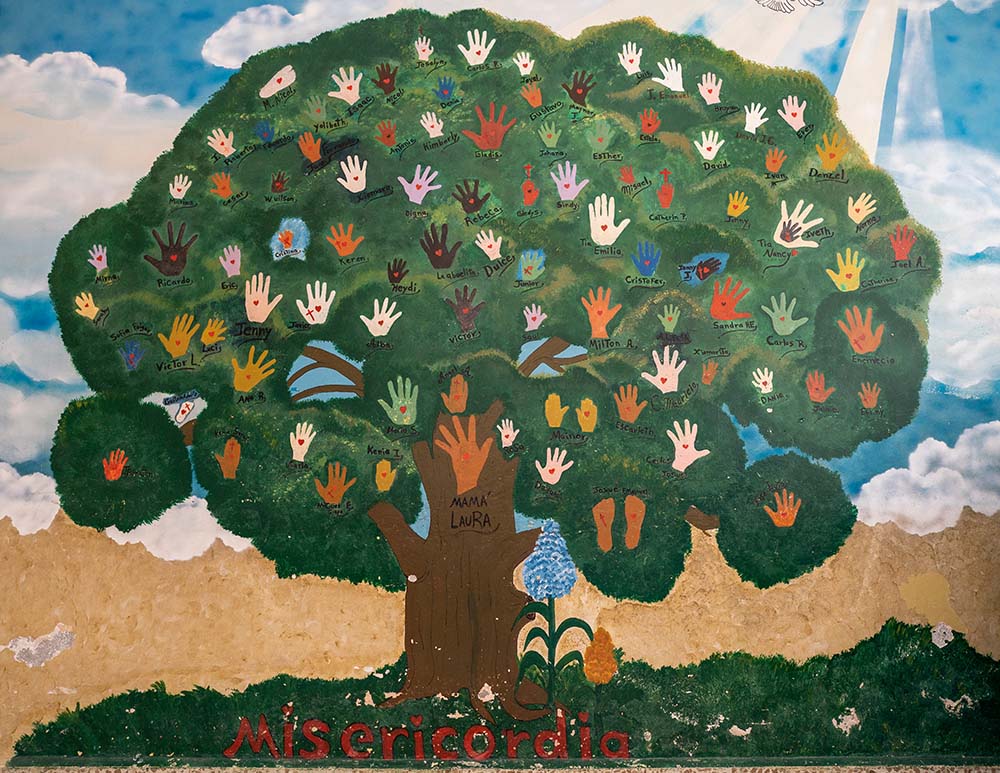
point(781, 316)
point(669, 317)
point(549, 134)
point(404, 402)
point(599, 135)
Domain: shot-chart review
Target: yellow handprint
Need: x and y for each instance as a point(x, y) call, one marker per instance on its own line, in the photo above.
point(739, 203)
point(181, 333)
point(848, 276)
point(213, 332)
point(385, 476)
point(586, 414)
point(248, 376)
point(86, 307)
point(554, 410)
point(832, 152)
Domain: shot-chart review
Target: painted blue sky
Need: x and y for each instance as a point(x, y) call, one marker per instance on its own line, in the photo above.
point(141, 67)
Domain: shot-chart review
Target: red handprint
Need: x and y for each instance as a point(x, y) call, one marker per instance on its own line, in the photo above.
point(724, 303)
point(902, 242)
point(491, 132)
point(650, 120)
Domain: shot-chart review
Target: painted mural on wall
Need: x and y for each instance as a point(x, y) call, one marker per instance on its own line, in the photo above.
point(459, 310)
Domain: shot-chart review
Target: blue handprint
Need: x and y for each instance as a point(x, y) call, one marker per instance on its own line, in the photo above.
point(445, 89)
point(264, 131)
point(132, 354)
point(531, 265)
point(646, 258)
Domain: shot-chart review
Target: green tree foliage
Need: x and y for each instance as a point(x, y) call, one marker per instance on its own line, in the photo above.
point(275, 502)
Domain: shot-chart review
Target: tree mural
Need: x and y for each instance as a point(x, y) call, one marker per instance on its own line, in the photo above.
point(412, 285)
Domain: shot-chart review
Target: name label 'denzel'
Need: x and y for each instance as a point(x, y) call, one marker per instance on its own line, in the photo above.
point(471, 514)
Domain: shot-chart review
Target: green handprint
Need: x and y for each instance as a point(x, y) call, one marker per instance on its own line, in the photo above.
point(404, 402)
point(315, 109)
point(669, 317)
point(781, 316)
point(550, 134)
point(599, 135)
point(531, 264)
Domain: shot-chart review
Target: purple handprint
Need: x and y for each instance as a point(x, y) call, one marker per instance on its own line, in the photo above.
point(566, 182)
point(230, 260)
point(420, 186)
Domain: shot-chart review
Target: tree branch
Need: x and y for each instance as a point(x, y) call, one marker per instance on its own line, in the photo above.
point(408, 547)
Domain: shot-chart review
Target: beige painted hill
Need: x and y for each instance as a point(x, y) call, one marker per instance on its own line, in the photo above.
point(224, 620)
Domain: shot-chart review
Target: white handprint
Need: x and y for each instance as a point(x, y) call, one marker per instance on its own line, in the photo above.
point(710, 88)
point(793, 112)
point(630, 58)
point(222, 143)
point(355, 174)
point(791, 228)
point(489, 244)
point(525, 64)
point(685, 454)
point(317, 304)
point(554, 466)
point(862, 208)
point(180, 186)
point(668, 370)
point(507, 433)
point(258, 288)
point(420, 186)
point(534, 317)
point(603, 230)
point(230, 260)
point(479, 47)
point(348, 86)
point(763, 379)
point(424, 48)
point(709, 145)
point(754, 117)
point(382, 319)
point(433, 124)
point(672, 75)
point(300, 440)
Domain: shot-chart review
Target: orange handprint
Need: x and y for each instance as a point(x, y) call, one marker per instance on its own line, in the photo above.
point(724, 303)
point(455, 400)
point(816, 385)
point(467, 456)
point(386, 133)
point(708, 371)
point(788, 508)
point(230, 459)
point(863, 341)
point(627, 401)
point(223, 185)
point(342, 242)
point(532, 94)
point(635, 513)
point(774, 159)
point(604, 516)
point(286, 238)
point(598, 312)
point(336, 484)
point(869, 395)
point(114, 464)
point(310, 146)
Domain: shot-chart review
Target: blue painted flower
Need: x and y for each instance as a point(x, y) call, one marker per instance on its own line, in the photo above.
point(549, 571)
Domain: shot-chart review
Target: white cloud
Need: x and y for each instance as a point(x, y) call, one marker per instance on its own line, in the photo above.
point(74, 139)
point(28, 421)
point(950, 187)
point(40, 355)
point(964, 343)
point(29, 501)
point(928, 495)
point(183, 532)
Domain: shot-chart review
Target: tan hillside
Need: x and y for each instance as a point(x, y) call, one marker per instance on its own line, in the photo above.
point(224, 620)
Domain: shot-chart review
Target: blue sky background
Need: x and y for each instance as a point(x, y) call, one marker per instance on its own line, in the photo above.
point(159, 48)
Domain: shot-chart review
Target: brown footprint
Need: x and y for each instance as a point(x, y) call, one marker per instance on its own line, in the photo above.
point(635, 512)
point(604, 515)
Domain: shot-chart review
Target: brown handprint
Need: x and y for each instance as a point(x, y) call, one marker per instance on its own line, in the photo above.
point(626, 400)
point(491, 132)
point(435, 246)
point(469, 198)
point(386, 79)
point(230, 459)
point(114, 464)
point(862, 340)
point(708, 371)
point(467, 456)
point(386, 133)
point(598, 312)
point(788, 508)
point(457, 396)
point(582, 85)
point(173, 254)
point(464, 311)
point(336, 484)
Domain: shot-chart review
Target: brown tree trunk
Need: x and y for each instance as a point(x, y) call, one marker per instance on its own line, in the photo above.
point(461, 603)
